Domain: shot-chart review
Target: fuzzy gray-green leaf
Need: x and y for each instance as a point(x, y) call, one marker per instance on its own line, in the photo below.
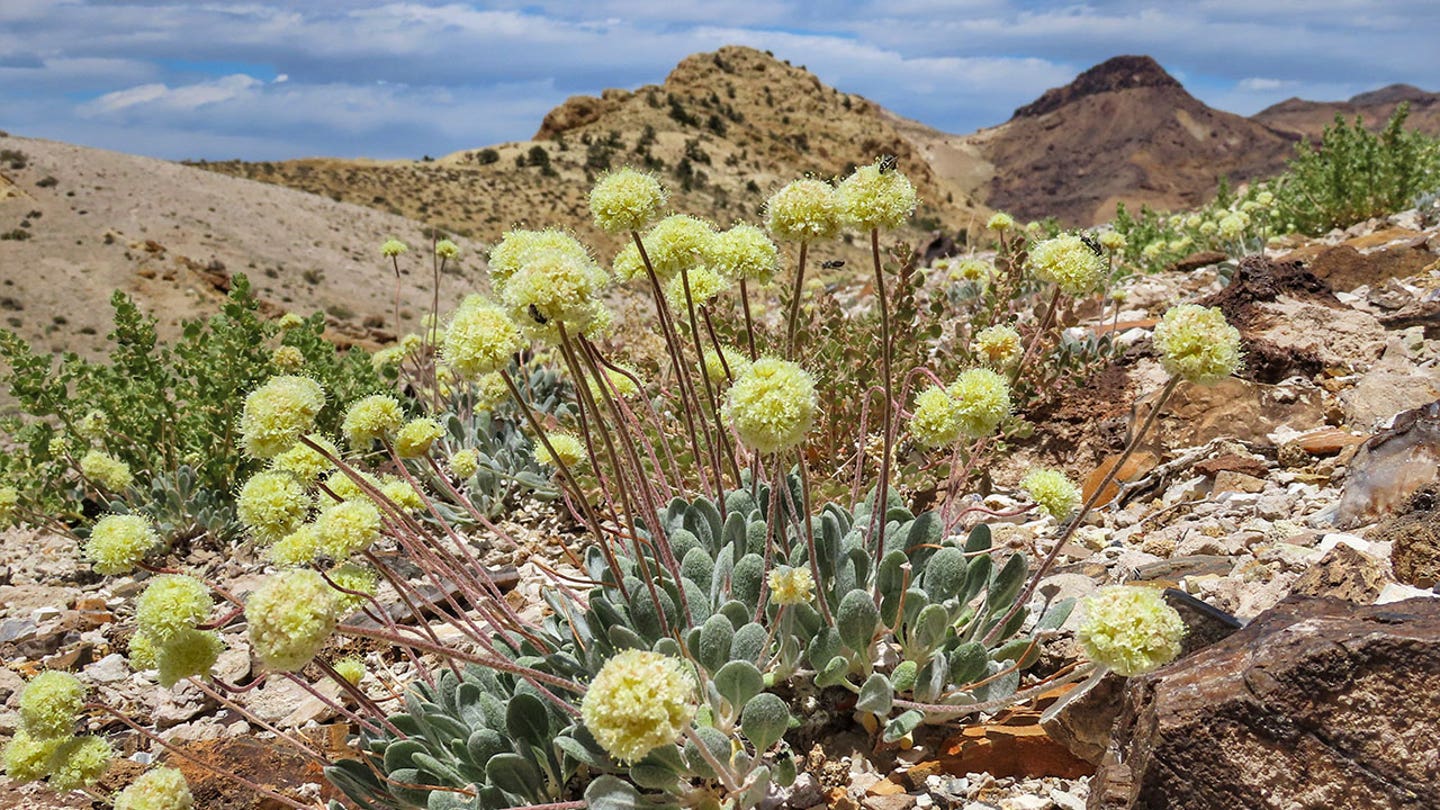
point(856, 619)
point(876, 695)
point(764, 720)
point(738, 681)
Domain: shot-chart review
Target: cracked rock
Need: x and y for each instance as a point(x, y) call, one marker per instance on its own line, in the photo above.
point(1316, 703)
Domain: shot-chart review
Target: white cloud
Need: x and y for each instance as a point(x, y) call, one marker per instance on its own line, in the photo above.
point(1260, 84)
point(400, 77)
point(186, 97)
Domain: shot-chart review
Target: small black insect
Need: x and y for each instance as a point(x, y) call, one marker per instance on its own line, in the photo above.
point(888, 163)
point(540, 319)
point(1092, 244)
point(833, 264)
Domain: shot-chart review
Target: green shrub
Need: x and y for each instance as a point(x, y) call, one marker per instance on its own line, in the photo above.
point(169, 412)
point(1354, 174)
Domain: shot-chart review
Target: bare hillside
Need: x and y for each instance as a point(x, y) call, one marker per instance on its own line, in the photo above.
point(78, 223)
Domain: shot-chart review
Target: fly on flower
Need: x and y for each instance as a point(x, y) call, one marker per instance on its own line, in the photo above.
point(1092, 244)
point(833, 264)
point(888, 163)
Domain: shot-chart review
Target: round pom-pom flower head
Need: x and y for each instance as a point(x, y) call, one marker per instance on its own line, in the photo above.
point(1112, 240)
point(171, 603)
point(723, 366)
point(480, 339)
point(1130, 629)
point(371, 418)
point(705, 284)
point(157, 789)
point(936, 419)
point(569, 448)
point(982, 399)
point(1052, 491)
point(392, 248)
point(107, 471)
point(1067, 262)
point(187, 654)
point(804, 211)
point(678, 241)
point(447, 250)
point(998, 346)
point(79, 762)
point(272, 504)
point(277, 413)
point(27, 759)
point(50, 704)
point(791, 586)
point(290, 617)
point(518, 248)
point(1197, 344)
point(875, 196)
point(626, 200)
point(771, 405)
point(417, 436)
point(465, 463)
point(1000, 221)
point(639, 701)
point(554, 286)
point(347, 527)
point(745, 252)
point(119, 542)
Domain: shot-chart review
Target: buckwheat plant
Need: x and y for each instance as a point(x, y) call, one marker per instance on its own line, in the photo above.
point(713, 599)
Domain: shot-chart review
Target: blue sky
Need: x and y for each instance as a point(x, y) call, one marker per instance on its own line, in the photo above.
point(260, 79)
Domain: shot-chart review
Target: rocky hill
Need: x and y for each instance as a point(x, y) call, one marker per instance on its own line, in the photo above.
point(1308, 119)
point(78, 223)
point(1124, 130)
point(725, 130)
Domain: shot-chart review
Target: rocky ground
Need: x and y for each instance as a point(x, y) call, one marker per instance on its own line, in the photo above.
point(1309, 479)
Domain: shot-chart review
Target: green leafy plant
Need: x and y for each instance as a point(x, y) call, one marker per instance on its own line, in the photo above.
point(168, 412)
point(1354, 174)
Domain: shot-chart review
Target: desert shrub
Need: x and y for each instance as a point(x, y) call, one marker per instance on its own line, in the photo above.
point(167, 412)
point(487, 156)
point(1354, 174)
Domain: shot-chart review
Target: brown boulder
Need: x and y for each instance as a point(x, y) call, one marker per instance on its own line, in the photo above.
point(1316, 703)
point(1197, 260)
point(1414, 535)
point(1391, 466)
point(1345, 573)
point(576, 112)
point(1345, 268)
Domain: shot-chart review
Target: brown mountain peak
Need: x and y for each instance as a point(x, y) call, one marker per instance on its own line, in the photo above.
point(1391, 94)
point(1114, 74)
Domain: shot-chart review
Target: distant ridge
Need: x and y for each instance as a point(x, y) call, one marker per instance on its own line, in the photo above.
point(1300, 118)
point(1123, 131)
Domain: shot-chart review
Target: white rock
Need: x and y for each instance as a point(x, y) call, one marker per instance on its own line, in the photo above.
point(1066, 801)
point(1330, 541)
point(110, 669)
point(1396, 592)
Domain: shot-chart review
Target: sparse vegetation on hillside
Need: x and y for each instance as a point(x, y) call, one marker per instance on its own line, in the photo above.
point(725, 129)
